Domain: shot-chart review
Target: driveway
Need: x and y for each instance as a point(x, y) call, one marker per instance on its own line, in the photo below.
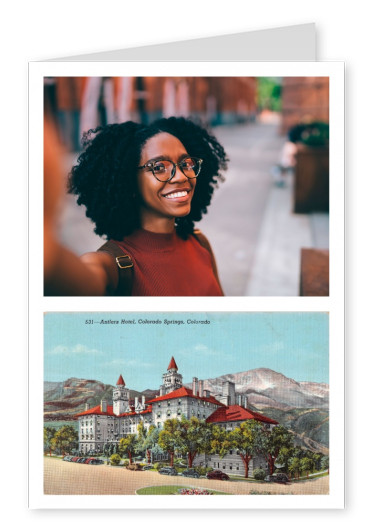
point(63, 477)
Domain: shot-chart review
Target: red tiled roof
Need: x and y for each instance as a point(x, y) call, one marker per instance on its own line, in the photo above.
point(97, 411)
point(181, 392)
point(172, 364)
point(130, 413)
point(120, 381)
point(236, 414)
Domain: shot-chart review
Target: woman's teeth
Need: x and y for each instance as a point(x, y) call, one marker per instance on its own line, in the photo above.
point(176, 194)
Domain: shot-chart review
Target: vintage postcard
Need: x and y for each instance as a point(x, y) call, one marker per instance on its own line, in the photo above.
point(157, 404)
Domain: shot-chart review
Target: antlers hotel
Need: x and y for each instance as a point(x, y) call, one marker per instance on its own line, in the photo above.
point(105, 423)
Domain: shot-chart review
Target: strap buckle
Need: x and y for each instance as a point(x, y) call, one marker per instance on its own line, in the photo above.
point(124, 266)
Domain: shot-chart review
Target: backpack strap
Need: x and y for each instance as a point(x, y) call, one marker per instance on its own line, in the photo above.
point(125, 268)
point(125, 264)
point(204, 242)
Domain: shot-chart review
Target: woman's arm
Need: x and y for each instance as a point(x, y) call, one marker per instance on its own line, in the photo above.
point(68, 274)
point(64, 272)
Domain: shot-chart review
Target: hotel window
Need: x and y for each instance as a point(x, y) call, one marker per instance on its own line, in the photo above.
point(169, 412)
point(179, 402)
point(179, 411)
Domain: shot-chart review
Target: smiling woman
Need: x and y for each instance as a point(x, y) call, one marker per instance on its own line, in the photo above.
point(144, 187)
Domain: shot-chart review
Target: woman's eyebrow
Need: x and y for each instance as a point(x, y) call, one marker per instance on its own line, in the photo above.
point(166, 157)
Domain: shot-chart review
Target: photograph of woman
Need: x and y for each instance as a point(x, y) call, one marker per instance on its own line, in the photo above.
point(140, 160)
point(144, 186)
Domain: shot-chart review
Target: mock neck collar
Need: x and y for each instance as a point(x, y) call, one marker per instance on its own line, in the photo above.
point(153, 241)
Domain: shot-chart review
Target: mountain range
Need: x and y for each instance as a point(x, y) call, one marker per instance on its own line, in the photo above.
point(302, 407)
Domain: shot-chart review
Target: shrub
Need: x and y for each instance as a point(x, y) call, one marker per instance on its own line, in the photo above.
point(203, 470)
point(160, 465)
point(115, 459)
point(259, 473)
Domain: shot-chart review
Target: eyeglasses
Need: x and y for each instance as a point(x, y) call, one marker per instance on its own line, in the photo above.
point(165, 170)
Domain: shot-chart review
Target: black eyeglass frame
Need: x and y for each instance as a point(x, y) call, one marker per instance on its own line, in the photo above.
point(150, 165)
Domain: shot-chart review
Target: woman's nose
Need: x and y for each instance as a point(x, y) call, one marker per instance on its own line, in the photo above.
point(178, 176)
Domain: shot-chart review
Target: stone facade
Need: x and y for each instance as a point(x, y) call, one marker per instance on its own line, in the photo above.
point(109, 423)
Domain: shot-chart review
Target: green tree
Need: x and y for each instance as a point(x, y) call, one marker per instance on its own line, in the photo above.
point(246, 439)
point(141, 437)
point(48, 434)
point(294, 467)
point(306, 465)
point(269, 93)
point(219, 443)
point(194, 438)
point(272, 442)
point(151, 442)
point(316, 457)
point(127, 445)
point(284, 456)
point(324, 463)
point(65, 439)
point(169, 438)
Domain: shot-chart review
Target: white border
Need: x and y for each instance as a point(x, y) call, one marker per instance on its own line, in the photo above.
point(334, 304)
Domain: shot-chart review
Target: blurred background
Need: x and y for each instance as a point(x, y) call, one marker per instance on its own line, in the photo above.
point(269, 220)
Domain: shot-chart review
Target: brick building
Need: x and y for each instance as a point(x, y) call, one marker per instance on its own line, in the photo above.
point(304, 100)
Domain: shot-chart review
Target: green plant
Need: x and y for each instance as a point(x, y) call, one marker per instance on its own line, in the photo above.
point(259, 474)
point(316, 134)
point(203, 470)
point(160, 465)
point(115, 459)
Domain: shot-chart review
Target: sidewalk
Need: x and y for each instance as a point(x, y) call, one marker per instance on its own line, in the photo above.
point(276, 266)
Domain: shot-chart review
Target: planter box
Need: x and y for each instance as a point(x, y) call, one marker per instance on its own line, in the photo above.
point(314, 273)
point(311, 185)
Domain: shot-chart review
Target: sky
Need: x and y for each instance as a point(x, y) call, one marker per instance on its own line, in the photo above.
point(294, 344)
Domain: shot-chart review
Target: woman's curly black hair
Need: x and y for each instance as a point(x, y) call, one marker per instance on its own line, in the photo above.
point(105, 176)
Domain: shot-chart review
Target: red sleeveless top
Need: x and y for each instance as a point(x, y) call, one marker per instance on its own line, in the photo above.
point(166, 265)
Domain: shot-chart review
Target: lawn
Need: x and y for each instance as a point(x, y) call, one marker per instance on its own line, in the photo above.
point(169, 489)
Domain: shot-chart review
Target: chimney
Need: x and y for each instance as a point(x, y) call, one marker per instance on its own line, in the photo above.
point(136, 402)
point(206, 393)
point(104, 406)
point(245, 401)
point(87, 407)
point(194, 386)
point(143, 401)
point(200, 388)
point(161, 390)
point(240, 400)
